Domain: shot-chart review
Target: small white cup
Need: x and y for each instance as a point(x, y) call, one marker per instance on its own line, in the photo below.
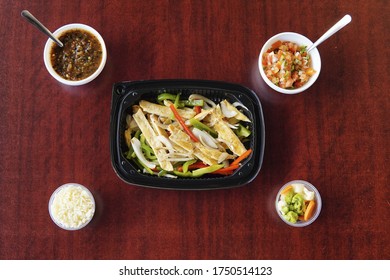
point(50, 43)
point(65, 188)
point(301, 41)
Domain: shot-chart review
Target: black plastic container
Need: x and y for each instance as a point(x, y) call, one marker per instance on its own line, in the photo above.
point(126, 94)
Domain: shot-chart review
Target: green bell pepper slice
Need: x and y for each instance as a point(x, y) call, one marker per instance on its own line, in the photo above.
point(193, 103)
point(177, 101)
point(187, 164)
point(199, 125)
point(205, 170)
point(182, 174)
point(148, 151)
point(242, 131)
point(166, 96)
point(144, 166)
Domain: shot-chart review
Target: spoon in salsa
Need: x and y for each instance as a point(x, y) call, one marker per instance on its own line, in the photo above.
point(340, 24)
point(30, 18)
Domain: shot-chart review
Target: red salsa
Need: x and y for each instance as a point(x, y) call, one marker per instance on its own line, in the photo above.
point(79, 58)
point(287, 65)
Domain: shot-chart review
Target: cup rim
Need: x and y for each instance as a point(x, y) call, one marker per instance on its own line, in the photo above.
point(52, 199)
point(50, 43)
point(315, 55)
point(317, 199)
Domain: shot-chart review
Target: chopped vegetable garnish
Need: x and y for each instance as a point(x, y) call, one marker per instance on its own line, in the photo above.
point(296, 203)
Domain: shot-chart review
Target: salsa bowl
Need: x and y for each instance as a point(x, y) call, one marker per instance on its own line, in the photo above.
point(301, 41)
point(82, 58)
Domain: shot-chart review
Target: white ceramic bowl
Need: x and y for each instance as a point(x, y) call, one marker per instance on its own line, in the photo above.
point(70, 216)
point(301, 41)
point(317, 199)
point(50, 44)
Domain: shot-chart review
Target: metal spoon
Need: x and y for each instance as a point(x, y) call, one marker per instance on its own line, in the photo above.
point(30, 18)
point(340, 24)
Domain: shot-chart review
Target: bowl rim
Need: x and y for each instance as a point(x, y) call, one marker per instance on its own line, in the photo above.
point(317, 199)
point(50, 43)
point(315, 55)
point(52, 199)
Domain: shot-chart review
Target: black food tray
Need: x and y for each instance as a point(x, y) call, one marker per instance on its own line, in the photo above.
point(126, 94)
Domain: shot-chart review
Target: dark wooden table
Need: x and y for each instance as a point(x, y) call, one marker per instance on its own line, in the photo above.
point(335, 135)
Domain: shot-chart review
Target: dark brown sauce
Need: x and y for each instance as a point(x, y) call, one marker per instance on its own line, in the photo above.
point(79, 58)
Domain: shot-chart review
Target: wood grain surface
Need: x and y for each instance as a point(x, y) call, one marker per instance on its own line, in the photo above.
point(335, 135)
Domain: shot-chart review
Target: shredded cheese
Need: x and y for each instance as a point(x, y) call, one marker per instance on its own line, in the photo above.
point(72, 206)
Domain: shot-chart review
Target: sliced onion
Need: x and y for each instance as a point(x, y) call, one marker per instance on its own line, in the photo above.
point(222, 157)
point(165, 141)
point(205, 138)
point(137, 149)
point(238, 104)
point(167, 102)
point(170, 176)
point(206, 107)
point(226, 112)
point(148, 172)
point(198, 96)
point(232, 126)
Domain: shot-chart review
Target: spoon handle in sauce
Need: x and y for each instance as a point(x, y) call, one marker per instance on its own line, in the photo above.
point(30, 18)
point(340, 24)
